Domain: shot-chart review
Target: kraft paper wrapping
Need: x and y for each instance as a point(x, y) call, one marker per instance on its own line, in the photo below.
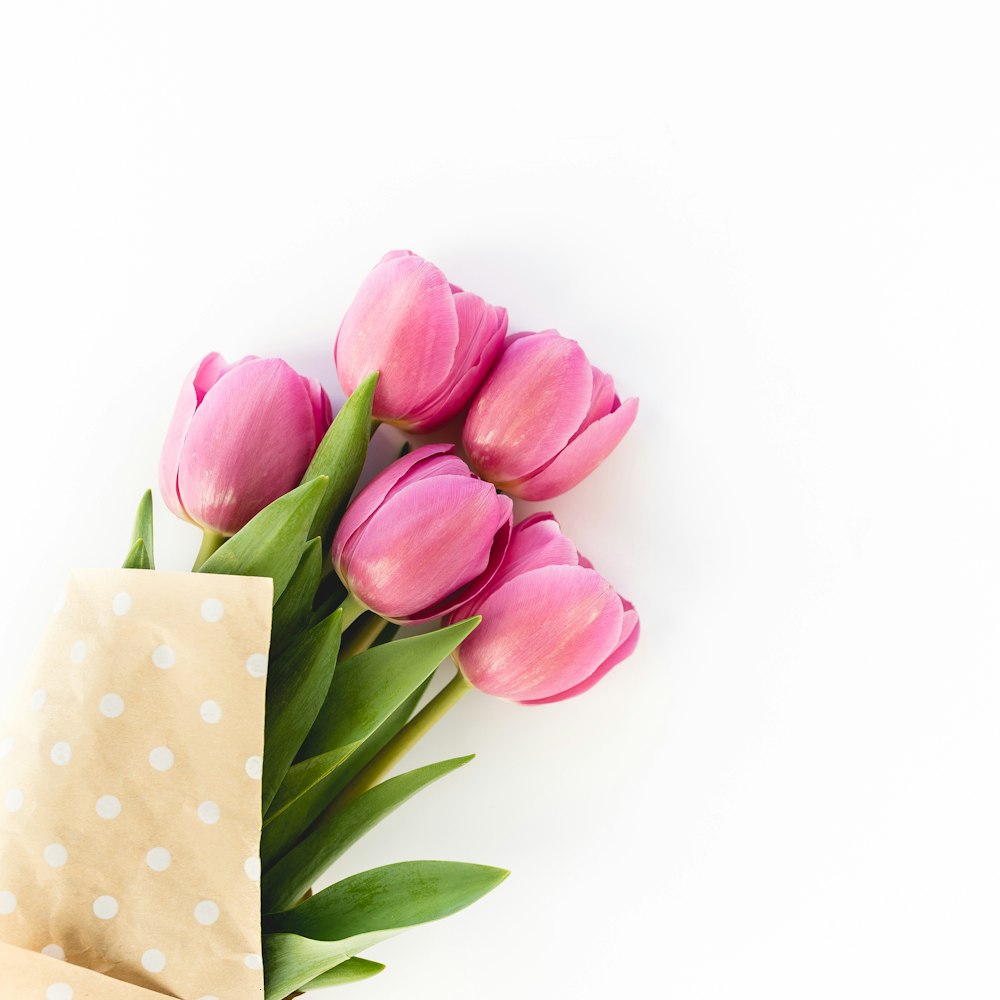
point(130, 816)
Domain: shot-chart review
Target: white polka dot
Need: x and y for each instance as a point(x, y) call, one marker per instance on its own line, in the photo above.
point(108, 807)
point(61, 753)
point(112, 705)
point(78, 652)
point(209, 812)
point(255, 767)
point(212, 610)
point(54, 951)
point(254, 962)
point(159, 859)
point(5, 746)
point(252, 868)
point(14, 800)
point(257, 665)
point(206, 913)
point(164, 657)
point(211, 711)
point(161, 758)
point(55, 855)
point(59, 991)
point(60, 603)
point(38, 699)
point(121, 604)
point(153, 960)
point(8, 903)
point(106, 907)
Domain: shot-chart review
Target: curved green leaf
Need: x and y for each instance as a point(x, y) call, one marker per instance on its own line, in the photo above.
point(303, 776)
point(351, 971)
point(294, 963)
point(142, 530)
point(340, 458)
point(297, 687)
point(366, 691)
point(138, 557)
point(293, 610)
point(289, 879)
point(271, 544)
point(366, 908)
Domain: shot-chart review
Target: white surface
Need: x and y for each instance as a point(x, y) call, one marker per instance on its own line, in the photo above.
point(777, 224)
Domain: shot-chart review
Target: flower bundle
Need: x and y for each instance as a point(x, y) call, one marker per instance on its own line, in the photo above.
point(305, 588)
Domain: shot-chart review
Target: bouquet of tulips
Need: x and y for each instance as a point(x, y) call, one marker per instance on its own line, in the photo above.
point(228, 734)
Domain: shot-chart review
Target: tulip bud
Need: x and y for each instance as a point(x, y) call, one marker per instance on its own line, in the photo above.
point(545, 418)
point(422, 537)
point(431, 343)
point(241, 436)
point(552, 625)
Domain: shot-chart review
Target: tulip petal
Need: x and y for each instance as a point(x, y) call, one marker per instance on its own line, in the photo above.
point(402, 323)
point(602, 401)
point(322, 409)
point(212, 369)
point(626, 646)
point(580, 457)
point(529, 407)
point(481, 332)
point(247, 444)
point(368, 500)
point(204, 373)
point(535, 542)
point(465, 596)
point(542, 632)
point(422, 545)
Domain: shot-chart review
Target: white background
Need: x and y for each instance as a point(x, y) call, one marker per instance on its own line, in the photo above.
point(776, 223)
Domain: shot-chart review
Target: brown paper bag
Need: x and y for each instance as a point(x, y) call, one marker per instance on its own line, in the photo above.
point(130, 815)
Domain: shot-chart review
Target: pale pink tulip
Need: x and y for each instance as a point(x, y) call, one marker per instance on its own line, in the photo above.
point(545, 418)
point(552, 625)
point(241, 436)
point(431, 343)
point(424, 536)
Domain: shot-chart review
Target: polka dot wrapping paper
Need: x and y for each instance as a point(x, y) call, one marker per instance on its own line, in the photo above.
point(130, 812)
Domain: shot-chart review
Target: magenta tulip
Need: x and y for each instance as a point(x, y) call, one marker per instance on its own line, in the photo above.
point(241, 436)
point(431, 343)
point(424, 536)
point(552, 625)
point(545, 418)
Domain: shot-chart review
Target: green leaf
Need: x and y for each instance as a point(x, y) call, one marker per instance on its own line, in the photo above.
point(363, 909)
point(138, 557)
point(340, 458)
point(294, 608)
point(289, 879)
point(294, 963)
point(297, 687)
point(369, 687)
point(271, 544)
point(351, 971)
point(142, 530)
point(366, 690)
point(300, 778)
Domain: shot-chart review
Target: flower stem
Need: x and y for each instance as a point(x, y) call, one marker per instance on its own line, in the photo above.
point(210, 541)
point(353, 609)
point(400, 744)
point(362, 637)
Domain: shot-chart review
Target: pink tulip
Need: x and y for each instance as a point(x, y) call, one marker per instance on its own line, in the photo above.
point(241, 436)
point(545, 418)
point(552, 625)
point(424, 536)
point(431, 343)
